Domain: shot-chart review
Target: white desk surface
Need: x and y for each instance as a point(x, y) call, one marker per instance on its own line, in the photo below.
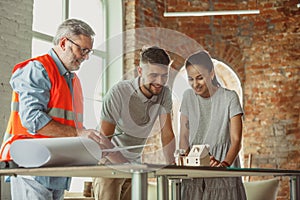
point(125, 171)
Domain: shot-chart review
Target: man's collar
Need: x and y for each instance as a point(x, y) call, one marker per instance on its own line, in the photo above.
point(61, 68)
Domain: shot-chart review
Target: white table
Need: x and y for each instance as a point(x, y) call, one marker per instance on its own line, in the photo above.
point(141, 173)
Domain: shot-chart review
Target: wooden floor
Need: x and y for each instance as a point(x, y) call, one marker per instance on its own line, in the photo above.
point(79, 198)
point(76, 196)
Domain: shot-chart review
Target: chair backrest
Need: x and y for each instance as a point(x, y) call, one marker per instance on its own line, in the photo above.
point(262, 190)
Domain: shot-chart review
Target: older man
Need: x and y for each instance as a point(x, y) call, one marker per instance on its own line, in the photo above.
point(47, 102)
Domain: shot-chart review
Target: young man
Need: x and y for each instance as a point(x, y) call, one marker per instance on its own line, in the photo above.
point(47, 102)
point(131, 107)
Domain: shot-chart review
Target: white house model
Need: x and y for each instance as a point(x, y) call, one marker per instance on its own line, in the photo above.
point(198, 156)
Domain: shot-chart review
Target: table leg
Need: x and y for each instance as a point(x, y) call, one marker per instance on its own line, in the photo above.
point(162, 188)
point(139, 189)
point(297, 187)
point(176, 189)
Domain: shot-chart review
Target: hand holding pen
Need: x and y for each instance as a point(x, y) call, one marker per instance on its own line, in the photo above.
point(115, 157)
point(113, 135)
point(105, 142)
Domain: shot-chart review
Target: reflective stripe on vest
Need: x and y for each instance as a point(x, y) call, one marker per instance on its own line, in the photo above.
point(55, 112)
point(69, 115)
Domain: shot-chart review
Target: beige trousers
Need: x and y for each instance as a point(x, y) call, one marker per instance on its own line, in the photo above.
point(112, 188)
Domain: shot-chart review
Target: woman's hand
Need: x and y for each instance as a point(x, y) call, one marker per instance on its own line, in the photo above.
point(214, 162)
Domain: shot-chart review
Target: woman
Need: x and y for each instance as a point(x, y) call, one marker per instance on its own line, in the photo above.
point(211, 115)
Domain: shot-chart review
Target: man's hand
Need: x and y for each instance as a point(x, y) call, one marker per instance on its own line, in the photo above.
point(103, 142)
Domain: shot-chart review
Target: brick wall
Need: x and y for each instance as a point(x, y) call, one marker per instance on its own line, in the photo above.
point(263, 50)
point(15, 43)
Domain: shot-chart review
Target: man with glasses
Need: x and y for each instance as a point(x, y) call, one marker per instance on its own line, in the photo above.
point(84, 51)
point(47, 102)
point(133, 107)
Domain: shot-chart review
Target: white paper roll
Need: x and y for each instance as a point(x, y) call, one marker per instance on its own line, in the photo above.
point(63, 151)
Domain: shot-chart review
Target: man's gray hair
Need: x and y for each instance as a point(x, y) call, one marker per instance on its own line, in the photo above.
point(73, 27)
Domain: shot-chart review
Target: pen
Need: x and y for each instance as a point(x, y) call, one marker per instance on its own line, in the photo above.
point(113, 135)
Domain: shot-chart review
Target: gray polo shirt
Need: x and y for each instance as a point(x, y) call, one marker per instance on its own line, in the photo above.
point(133, 114)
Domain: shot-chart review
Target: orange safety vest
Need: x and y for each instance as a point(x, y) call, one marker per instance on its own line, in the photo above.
point(61, 107)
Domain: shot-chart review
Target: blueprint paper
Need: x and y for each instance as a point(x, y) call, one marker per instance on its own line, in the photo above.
point(63, 151)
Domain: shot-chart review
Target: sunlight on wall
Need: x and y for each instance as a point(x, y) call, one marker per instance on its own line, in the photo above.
point(228, 78)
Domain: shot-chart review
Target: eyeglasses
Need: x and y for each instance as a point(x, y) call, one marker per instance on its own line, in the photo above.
point(83, 51)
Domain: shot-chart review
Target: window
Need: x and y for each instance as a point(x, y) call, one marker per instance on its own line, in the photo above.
point(47, 15)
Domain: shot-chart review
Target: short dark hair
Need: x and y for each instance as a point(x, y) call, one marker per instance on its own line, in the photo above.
point(154, 55)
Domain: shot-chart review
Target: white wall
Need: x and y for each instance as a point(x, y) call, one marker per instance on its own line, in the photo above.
point(15, 46)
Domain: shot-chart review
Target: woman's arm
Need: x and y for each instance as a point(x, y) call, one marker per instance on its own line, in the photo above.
point(184, 132)
point(236, 126)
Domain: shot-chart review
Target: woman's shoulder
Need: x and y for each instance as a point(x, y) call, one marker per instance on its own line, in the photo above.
point(225, 93)
point(228, 91)
point(188, 92)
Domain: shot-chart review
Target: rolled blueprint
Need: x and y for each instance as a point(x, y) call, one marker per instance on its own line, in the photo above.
point(63, 151)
